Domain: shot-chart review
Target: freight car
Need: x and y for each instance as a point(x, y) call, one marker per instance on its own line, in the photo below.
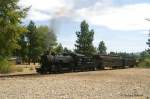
point(77, 62)
point(114, 61)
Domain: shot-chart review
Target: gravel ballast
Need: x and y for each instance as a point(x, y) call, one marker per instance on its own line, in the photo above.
point(107, 84)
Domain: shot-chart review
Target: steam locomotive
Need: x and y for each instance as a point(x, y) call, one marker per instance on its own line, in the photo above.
point(77, 62)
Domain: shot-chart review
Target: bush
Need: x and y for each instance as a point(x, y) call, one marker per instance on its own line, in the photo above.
point(5, 66)
point(144, 63)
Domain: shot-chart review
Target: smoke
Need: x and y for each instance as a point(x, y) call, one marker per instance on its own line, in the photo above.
point(57, 17)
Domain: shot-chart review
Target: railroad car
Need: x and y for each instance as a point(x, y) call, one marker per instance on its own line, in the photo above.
point(110, 61)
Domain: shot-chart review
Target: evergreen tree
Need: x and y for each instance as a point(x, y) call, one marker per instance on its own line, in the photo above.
point(47, 38)
point(66, 50)
point(84, 40)
point(148, 43)
point(58, 49)
point(10, 25)
point(32, 39)
point(36, 41)
point(102, 48)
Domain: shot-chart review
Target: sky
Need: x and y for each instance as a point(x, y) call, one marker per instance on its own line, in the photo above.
point(120, 24)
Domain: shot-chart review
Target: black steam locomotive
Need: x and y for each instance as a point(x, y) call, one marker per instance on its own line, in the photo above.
point(77, 62)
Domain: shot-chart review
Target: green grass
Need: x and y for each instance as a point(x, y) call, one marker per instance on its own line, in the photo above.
point(145, 63)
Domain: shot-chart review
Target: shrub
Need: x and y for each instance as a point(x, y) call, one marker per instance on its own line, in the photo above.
point(5, 66)
point(144, 63)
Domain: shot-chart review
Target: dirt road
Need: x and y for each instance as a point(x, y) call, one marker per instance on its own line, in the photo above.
point(107, 84)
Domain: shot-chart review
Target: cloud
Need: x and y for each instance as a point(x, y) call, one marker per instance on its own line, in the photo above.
point(99, 13)
point(127, 17)
point(43, 10)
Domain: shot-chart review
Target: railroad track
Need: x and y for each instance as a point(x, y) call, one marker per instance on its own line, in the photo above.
point(19, 75)
point(34, 74)
point(26, 75)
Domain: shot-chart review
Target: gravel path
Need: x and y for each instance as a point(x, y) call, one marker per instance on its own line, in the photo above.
point(107, 84)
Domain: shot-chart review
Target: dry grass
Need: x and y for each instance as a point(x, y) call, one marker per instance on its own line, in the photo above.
point(24, 68)
point(19, 69)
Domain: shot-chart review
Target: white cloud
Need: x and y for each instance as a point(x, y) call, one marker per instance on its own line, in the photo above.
point(128, 17)
point(42, 10)
point(102, 13)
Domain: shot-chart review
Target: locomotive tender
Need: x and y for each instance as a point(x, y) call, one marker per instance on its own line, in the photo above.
point(77, 62)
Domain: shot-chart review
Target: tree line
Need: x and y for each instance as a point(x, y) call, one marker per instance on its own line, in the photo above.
point(36, 40)
point(42, 38)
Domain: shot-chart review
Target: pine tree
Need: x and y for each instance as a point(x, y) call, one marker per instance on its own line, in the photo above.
point(34, 46)
point(102, 48)
point(46, 38)
point(84, 40)
point(66, 50)
point(148, 43)
point(34, 42)
point(58, 49)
